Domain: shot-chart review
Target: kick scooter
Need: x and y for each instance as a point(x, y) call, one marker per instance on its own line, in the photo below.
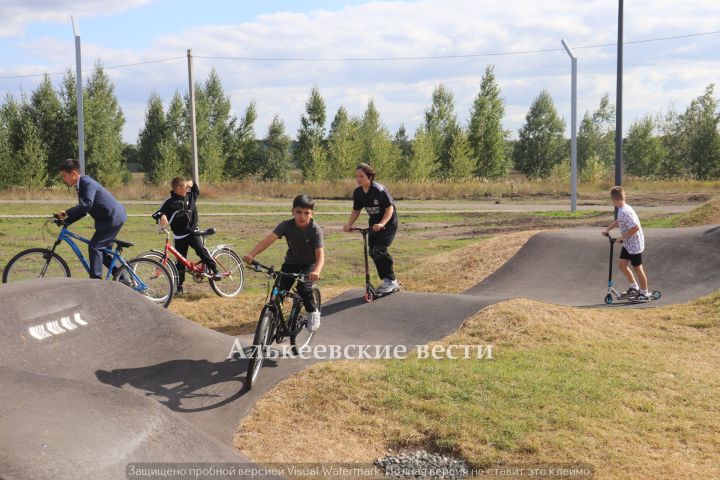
point(371, 292)
point(614, 294)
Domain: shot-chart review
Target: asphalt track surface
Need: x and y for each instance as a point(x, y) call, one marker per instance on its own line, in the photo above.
point(93, 377)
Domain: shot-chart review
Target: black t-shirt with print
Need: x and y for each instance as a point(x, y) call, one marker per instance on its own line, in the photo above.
point(375, 202)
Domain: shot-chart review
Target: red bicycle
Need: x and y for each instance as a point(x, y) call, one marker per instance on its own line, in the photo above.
point(229, 264)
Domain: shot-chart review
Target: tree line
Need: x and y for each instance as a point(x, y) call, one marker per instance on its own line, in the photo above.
point(40, 130)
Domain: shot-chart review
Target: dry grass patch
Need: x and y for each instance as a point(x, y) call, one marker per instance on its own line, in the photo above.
point(706, 214)
point(469, 265)
point(632, 392)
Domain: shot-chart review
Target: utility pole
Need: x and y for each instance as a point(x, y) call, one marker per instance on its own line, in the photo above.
point(193, 126)
point(79, 94)
point(573, 128)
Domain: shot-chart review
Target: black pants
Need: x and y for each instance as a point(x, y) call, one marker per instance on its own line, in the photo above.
point(379, 243)
point(101, 239)
point(194, 241)
point(304, 289)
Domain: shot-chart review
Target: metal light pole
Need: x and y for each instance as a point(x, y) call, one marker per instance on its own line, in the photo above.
point(618, 102)
point(79, 94)
point(193, 126)
point(573, 129)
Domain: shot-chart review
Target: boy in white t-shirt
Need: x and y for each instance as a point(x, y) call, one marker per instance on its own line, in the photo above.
point(633, 242)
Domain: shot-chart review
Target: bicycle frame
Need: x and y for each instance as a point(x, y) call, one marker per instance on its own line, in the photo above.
point(68, 237)
point(274, 303)
point(193, 267)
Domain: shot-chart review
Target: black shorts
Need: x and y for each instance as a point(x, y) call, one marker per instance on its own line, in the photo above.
point(635, 258)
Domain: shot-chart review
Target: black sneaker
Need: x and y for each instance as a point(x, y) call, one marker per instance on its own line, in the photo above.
point(179, 292)
point(631, 292)
point(216, 275)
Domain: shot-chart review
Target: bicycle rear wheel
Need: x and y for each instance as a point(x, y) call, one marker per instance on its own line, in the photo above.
point(300, 336)
point(149, 278)
point(35, 263)
point(230, 266)
point(259, 348)
point(167, 263)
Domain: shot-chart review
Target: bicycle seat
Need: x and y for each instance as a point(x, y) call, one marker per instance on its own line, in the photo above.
point(205, 233)
point(123, 244)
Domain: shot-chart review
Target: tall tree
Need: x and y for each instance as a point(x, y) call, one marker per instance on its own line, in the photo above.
point(422, 164)
point(596, 135)
point(311, 136)
point(213, 126)
point(643, 152)
point(462, 165)
point(177, 132)
point(342, 145)
point(150, 137)
point(67, 139)
point(376, 145)
point(31, 159)
point(486, 136)
point(541, 144)
point(700, 124)
point(276, 151)
point(441, 124)
point(402, 142)
point(10, 142)
point(45, 112)
point(104, 122)
point(243, 158)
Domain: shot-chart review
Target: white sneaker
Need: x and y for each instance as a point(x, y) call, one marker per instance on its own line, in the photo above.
point(388, 286)
point(313, 321)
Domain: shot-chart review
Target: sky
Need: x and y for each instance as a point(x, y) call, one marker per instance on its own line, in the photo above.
point(36, 37)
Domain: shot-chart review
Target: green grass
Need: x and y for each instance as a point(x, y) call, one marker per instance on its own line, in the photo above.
point(670, 221)
point(576, 214)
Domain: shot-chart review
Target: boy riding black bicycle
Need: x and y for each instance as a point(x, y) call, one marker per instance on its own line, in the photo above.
point(305, 254)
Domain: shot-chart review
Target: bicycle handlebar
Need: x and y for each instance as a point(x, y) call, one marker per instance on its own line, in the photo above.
point(57, 221)
point(260, 268)
point(361, 230)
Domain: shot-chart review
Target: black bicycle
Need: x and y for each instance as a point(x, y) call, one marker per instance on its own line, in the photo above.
point(273, 327)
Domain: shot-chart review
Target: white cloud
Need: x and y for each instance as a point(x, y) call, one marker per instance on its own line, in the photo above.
point(656, 74)
point(17, 14)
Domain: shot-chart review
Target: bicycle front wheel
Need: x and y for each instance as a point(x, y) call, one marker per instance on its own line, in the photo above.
point(231, 268)
point(300, 336)
point(35, 263)
point(149, 278)
point(261, 342)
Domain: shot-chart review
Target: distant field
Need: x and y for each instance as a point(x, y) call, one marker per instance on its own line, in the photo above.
point(515, 188)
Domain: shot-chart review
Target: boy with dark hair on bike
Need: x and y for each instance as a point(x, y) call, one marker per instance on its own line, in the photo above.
point(633, 242)
point(305, 254)
point(96, 201)
point(180, 213)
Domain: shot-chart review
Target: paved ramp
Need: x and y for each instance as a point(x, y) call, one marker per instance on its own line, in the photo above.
point(92, 376)
point(570, 267)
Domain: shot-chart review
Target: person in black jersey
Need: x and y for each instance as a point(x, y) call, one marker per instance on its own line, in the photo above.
point(383, 222)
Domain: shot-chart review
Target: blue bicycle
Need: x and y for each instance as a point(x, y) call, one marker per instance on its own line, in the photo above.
point(144, 275)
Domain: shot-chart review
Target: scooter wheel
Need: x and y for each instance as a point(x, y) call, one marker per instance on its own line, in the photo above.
point(608, 299)
point(368, 297)
point(656, 294)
